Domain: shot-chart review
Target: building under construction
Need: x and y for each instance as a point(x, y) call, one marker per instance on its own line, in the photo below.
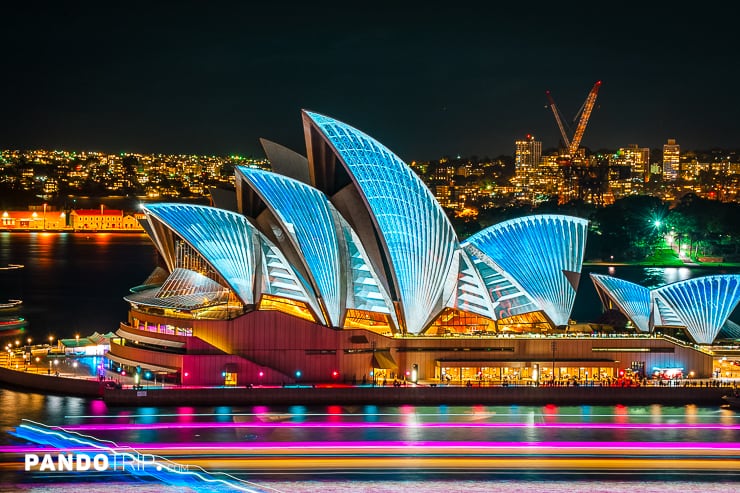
point(581, 178)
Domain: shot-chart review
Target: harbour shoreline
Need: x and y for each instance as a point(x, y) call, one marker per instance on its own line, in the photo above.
point(427, 394)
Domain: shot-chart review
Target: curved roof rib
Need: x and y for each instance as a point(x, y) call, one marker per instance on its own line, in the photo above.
point(225, 239)
point(629, 298)
point(543, 253)
point(306, 217)
point(417, 238)
point(703, 304)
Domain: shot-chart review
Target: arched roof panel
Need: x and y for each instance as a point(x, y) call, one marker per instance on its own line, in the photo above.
point(223, 238)
point(632, 299)
point(703, 304)
point(417, 236)
point(306, 216)
point(543, 253)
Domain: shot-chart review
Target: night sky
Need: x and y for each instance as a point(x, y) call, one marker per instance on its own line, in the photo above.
point(214, 77)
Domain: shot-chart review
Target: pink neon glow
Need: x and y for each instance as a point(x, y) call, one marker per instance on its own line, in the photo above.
point(426, 446)
point(288, 424)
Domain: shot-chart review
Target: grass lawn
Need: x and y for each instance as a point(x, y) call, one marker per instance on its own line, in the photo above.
point(667, 257)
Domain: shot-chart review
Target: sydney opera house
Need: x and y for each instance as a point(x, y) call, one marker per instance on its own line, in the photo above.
point(340, 266)
point(700, 306)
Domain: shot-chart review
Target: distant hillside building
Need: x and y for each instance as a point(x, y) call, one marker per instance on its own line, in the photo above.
point(103, 219)
point(527, 155)
point(671, 160)
point(44, 219)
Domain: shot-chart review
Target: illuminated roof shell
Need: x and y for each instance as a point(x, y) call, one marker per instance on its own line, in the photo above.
point(418, 239)
point(631, 299)
point(183, 290)
point(394, 253)
point(247, 262)
point(307, 218)
point(543, 253)
point(225, 239)
point(702, 304)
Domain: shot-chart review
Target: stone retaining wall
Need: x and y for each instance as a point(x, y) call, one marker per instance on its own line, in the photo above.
point(49, 384)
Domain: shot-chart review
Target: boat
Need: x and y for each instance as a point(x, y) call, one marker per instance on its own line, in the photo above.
point(10, 304)
point(733, 400)
point(10, 323)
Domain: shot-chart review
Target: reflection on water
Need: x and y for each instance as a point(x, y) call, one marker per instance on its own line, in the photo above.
point(654, 277)
point(73, 282)
point(647, 429)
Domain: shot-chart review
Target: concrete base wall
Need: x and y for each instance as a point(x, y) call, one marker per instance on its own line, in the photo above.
point(47, 384)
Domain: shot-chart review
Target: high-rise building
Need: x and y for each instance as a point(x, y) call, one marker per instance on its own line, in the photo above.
point(527, 156)
point(528, 152)
point(671, 160)
point(638, 159)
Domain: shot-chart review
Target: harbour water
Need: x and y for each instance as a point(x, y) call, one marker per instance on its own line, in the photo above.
point(74, 283)
point(395, 448)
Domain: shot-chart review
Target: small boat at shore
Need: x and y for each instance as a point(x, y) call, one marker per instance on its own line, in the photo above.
point(733, 400)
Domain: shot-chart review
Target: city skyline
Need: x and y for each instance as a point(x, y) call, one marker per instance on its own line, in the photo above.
point(186, 80)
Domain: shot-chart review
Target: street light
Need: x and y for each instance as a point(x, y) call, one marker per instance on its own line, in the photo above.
point(74, 365)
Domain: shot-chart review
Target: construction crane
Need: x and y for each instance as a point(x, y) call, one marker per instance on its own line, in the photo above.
point(571, 145)
point(588, 106)
point(563, 133)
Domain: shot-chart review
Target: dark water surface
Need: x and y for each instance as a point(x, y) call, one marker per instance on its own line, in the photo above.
point(73, 283)
point(663, 431)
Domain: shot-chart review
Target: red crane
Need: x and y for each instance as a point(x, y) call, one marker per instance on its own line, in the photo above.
point(585, 112)
point(588, 106)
